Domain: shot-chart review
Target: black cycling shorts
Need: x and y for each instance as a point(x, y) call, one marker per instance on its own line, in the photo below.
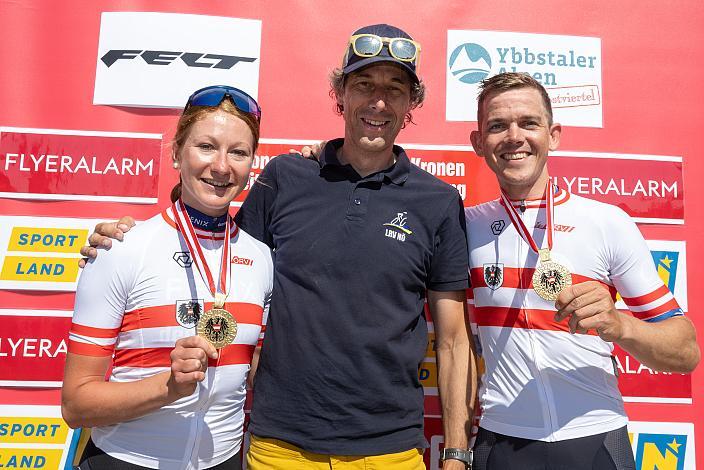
point(607, 451)
point(95, 459)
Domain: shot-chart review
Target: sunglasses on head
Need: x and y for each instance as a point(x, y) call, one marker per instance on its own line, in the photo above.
point(370, 45)
point(213, 96)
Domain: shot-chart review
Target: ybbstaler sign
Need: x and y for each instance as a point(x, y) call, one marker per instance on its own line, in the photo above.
point(569, 67)
point(79, 165)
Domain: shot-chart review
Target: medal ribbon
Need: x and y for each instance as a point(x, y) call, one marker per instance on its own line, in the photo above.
point(521, 227)
point(185, 226)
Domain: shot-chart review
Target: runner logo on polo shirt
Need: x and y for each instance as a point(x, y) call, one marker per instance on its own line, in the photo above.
point(399, 223)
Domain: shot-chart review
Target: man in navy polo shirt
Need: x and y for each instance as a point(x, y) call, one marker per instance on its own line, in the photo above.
point(360, 237)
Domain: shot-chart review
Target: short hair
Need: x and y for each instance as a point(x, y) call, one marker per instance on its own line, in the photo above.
point(337, 87)
point(193, 114)
point(510, 81)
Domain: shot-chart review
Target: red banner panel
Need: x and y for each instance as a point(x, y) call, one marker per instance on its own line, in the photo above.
point(456, 165)
point(33, 347)
point(79, 165)
point(640, 384)
point(648, 187)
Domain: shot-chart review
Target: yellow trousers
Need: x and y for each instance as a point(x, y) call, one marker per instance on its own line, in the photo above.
point(273, 454)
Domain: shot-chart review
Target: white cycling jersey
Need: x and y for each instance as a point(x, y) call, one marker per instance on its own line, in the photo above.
point(134, 301)
point(542, 382)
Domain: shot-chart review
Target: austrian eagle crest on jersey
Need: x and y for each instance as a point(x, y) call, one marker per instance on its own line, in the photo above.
point(188, 312)
point(494, 275)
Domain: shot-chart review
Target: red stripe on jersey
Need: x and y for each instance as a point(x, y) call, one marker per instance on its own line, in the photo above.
point(161, 357)
point(515, 278)
point(470, 293)
point(165, 315)
point(93, 331)
point(261, 336)
point(527, 319)
point(86, 349)
point(654, 312)
point(233, 354)
point(647, 298)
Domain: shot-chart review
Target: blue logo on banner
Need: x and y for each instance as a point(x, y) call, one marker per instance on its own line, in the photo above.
point(470, 63)
point(661, 451)
point(666, 264)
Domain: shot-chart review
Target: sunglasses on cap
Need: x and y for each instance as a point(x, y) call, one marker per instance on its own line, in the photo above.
point(213, 96)
point(370, 45)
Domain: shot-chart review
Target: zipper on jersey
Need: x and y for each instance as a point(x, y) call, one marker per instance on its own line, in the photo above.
point(540, 379)
point(188, 463)
point(200, 412)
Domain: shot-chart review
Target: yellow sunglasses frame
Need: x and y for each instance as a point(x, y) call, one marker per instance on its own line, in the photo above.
point(415, 58)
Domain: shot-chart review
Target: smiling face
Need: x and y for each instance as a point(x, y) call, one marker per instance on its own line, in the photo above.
point(514, 138)
point(214, 160)
point(375, 101)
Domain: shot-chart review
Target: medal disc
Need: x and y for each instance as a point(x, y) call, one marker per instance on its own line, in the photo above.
point(217, 326)
point(550, 278)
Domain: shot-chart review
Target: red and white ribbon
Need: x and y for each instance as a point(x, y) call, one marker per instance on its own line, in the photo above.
point(185, 226)
point(521, 227)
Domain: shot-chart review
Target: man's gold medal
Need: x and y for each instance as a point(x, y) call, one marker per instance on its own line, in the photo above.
point(550, 278)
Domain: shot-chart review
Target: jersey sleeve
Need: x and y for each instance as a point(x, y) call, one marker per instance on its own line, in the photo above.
point(254, 217)
point(448, 268)
point(634, 275)
point(100, 302)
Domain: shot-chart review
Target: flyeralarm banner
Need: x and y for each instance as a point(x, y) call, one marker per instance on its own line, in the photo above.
point(53, 164)
point(33, 347)
point(150, 59)
point(640, 384)
point(649, 188)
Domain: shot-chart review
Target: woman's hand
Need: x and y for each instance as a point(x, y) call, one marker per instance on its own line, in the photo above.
point(189, 361)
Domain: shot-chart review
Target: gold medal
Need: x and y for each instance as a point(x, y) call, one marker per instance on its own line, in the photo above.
point(550, 278)
point(217, 326)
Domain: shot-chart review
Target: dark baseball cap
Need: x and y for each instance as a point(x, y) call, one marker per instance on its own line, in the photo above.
point(353, 62)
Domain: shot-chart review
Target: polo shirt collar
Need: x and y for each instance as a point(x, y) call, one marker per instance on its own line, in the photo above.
point(396, 173)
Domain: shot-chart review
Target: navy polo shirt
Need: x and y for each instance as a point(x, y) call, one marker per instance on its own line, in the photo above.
point(346, 333)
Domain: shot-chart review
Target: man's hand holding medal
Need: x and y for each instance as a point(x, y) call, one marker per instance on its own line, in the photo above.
point(589, 306)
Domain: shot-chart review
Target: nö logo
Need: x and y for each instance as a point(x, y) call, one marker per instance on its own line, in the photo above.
point(470, 63)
